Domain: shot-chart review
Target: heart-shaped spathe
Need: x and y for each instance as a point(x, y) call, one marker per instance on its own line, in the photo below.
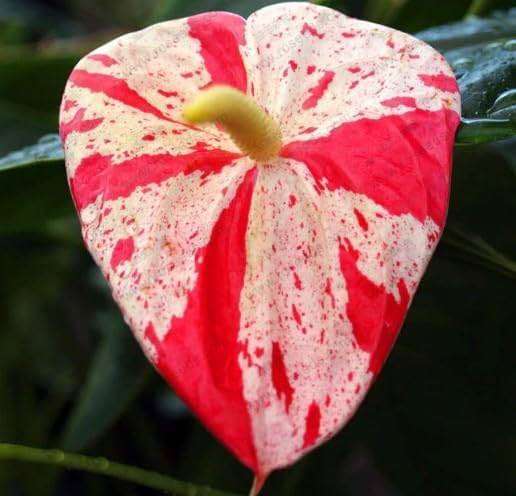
point(268, 295)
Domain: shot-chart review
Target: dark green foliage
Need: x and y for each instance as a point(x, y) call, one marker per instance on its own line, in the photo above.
point(439, 421)
point(482, 53)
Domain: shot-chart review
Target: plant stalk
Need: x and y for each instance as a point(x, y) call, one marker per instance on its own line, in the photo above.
point(99, 465)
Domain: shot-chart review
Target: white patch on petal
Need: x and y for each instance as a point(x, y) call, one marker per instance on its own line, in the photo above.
point(154, 61)
point(169, 223)
point(127, 133)
point(293, 251)
point(148, 62)
point(391, 248)
point(370, 64)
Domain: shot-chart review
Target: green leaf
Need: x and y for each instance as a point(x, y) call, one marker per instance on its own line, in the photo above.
point(471, 31)
point(33, 187)
point(482, 54)
point(47, 149)
point(477, 131)
point(116, 375)
point(486, 73)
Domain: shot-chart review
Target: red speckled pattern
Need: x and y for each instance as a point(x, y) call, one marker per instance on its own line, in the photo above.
point(267, 294)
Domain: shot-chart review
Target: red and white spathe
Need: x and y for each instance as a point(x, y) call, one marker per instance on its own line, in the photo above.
point(268, 295)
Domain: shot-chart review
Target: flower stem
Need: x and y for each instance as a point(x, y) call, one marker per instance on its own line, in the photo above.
point(105, 467)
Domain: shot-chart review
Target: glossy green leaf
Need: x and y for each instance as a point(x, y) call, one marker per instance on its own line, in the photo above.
point(477, 131)
point(47, 149)
point(487, 77)
point(471, 31)
point(117, 373)
point(482, 53)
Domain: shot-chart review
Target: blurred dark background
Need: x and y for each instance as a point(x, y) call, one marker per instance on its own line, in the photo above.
point(439, 421)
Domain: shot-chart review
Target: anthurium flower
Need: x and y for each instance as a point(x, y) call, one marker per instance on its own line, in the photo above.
point(263, 196)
